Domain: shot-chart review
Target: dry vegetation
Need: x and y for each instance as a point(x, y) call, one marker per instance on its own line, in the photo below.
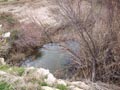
point(97, 31)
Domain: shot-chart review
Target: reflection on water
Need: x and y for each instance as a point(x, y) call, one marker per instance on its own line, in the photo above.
point(54, 57)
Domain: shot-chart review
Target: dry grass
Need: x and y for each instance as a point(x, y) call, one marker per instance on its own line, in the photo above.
point(97, 31)
point(98, 36)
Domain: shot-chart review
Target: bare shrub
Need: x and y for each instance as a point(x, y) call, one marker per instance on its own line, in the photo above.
point(8, 21)
point(97, 30)
point(29, 37)
point(16, 58)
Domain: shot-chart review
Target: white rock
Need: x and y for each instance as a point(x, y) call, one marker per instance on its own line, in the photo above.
point(6, 35)
point(48, 88)
point(3, 73)
point(74, 88)
point(2, 61)
point(61, 82)
point(80, 85)
point(43, 72)
point(29, 68)
point(23, 20)
point(10, 0)
point(50, 79)
point(38, 73)
point(0, 26)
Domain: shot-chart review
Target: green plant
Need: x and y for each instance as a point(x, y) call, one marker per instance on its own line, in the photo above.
point(5, 86)
point(23, 88)
point(43, 84)
point(8, 0)
point(15, 34)
point(61, 87)
point(3, 0)
point(18, 70)
point(4, 67)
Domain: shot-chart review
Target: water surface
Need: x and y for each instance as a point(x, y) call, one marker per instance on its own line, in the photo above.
point(54, 57)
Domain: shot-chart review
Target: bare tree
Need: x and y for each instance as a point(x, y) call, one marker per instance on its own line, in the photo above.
point(71, 11)
point(97, 53)
point(96, 59)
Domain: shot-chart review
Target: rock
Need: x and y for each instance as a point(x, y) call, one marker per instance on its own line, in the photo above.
point(43, 72)
point(31, 80)
point(80, 85)
point(39, 74)
point(48, 88)
point(2, 61)
point(6, 35)
point(50, 79)
point(30, 86)
point(59, 81)
point(28, 71)
point(11, 0)
point(0, 26)
point(23, 20)
point(74, 88)
point(3, 73)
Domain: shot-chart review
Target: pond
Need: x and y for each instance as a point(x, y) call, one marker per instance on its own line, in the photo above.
point(54, 57)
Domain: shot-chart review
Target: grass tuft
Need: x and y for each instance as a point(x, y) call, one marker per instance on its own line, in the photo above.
point(4, 67)
point(43, 84)
point(5, 86)
point(62, 87)
point(18, 70)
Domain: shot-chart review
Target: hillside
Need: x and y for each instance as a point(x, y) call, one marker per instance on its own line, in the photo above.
point(59, 44)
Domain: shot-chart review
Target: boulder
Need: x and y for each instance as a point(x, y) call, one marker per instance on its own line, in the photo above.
point(43, 72)
point(48, 88)
point(59, 81)
point(6, 35)
point(74, 88)
point(81, 85)
point(0, 26)
point(50, 79)
point(2, 61)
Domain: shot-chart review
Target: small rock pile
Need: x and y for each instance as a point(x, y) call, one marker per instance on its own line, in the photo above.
point(30, 78)
point(41, 79)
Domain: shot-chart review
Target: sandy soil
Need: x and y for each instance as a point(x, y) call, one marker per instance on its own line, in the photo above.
point(39, 10)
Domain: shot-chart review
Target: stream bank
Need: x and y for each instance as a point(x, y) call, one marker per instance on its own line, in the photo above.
point(19, 78)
